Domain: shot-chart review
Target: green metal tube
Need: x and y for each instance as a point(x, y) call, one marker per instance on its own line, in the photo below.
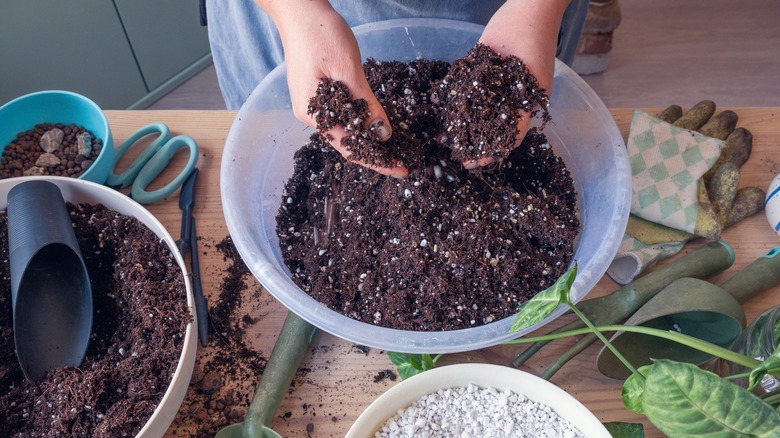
point(288, 352)
point(758, 276)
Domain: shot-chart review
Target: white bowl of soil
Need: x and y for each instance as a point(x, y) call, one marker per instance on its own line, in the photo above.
point(504, 402)
point(170, 387)
point(259, 159)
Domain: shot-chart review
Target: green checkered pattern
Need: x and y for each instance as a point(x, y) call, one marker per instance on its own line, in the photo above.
point(667, 164)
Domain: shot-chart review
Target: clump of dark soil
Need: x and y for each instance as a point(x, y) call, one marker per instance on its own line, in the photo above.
point(445, 248)
point(411, 114)
point(140, 318)
point(481, 99)
point(472, 106)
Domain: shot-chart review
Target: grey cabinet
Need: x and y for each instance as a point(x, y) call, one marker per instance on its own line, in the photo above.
point(121, 54)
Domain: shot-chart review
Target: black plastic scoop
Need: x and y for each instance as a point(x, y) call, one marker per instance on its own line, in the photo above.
point(50, 291)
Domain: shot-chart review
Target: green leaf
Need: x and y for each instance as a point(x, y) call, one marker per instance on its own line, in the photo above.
point(542, 305)
point(681, 399)
point(409, 365)
point(625, 430)
point(770, 365)
point(757, 374)
point(633, 389)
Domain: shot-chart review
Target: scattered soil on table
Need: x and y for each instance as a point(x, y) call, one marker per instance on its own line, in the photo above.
point(140, 317)
point(445, 248)
point(227, 371)
point(50, 149)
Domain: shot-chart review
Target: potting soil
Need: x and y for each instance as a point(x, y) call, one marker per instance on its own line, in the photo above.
point(140, 318)
point(446, 248)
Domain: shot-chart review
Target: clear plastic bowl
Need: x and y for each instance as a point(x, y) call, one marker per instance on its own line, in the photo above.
point(258, 160)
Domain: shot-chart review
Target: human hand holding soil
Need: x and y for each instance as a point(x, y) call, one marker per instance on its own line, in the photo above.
point(528, 30)
point(319, 44)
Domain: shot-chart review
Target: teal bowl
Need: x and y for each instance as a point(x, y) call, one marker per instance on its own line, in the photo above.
point(55, 106)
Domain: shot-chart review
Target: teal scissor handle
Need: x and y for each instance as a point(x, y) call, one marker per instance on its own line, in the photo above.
point(151, 162)
point(157, 163)
point(126, 178)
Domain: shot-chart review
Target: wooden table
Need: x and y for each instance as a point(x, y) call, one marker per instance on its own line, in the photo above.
point(339, 382)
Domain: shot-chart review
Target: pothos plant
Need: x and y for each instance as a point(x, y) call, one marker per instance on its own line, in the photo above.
point(411, 364)
point(680, 399)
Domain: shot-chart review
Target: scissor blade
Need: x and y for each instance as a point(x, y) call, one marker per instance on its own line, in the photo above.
point(187, 193)
point(201, 305)
point(186, 203)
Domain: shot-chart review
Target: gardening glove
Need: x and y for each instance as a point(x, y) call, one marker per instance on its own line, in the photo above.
point(685, 175)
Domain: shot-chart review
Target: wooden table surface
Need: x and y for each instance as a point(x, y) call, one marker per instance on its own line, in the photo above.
point(341, 381)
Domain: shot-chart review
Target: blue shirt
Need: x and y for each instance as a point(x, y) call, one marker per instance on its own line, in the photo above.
point(245, 44)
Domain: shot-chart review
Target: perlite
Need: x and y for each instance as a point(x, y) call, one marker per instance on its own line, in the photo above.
point(471, 412)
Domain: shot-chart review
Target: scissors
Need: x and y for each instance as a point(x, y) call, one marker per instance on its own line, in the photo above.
point(151, 162)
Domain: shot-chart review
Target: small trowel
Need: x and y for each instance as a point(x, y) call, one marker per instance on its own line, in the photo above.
point(50, 290)
point(290, 347)
point(693, 307)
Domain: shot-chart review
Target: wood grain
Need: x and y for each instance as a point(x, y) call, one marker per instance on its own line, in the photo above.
point(340, 379)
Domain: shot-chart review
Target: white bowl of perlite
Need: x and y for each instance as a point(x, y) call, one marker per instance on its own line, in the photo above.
point(476, 400)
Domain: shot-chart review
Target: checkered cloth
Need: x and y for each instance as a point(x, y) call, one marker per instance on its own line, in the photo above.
point(667, 165)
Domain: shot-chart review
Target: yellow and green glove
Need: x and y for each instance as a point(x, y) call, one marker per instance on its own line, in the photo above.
point(685, 178)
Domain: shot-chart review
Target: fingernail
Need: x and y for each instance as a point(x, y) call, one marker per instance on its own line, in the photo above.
point(470, 164)
point(381, 130)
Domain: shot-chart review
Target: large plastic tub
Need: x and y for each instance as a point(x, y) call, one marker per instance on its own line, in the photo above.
point(258, 160)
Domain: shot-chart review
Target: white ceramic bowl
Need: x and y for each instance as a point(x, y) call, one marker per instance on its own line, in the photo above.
point(82, 191)
point(499, 377)
point(258, 160)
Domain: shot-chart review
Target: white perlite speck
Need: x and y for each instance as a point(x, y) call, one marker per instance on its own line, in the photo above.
point(473, 412)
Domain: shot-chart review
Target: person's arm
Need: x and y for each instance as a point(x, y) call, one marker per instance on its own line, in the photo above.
point(527, 29)
point(318, 44)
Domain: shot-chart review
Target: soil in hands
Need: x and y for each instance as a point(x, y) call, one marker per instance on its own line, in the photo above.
point(481, 99)
point(140, 318)
point(445, 248)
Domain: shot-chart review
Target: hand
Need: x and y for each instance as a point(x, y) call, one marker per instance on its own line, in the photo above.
point(527, 29)
point(318, 44)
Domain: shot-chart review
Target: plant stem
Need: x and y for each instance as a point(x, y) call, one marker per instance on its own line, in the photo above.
point(737, 376)
point(606, 341)
point(689, 341)
point(771, 398)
